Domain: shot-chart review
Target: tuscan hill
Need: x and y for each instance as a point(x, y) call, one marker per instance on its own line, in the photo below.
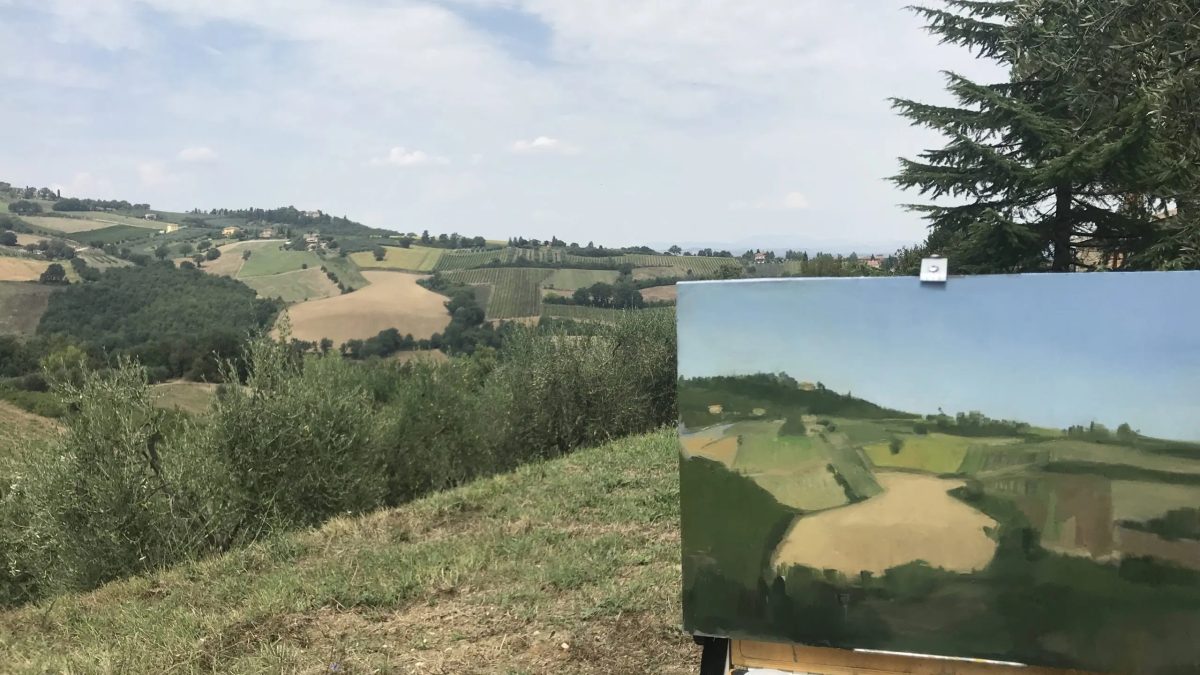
point(567, 566)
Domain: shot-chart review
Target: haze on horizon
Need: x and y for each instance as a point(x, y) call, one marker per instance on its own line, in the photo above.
point(618, 122)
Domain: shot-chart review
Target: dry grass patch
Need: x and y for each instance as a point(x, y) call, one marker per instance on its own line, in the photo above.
point(22, 306)
point(68, 225)
point(22, 429)
point(658, 293)
point(21, 269)
point(391, 300)
point(493, 577)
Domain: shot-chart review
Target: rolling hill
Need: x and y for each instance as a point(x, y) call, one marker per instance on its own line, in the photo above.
point(569, 566)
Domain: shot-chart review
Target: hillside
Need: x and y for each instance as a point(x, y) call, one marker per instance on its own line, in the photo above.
point(571, 566)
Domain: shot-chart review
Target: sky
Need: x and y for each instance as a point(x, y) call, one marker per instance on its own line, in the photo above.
point(1051, 350)
point(620, 121)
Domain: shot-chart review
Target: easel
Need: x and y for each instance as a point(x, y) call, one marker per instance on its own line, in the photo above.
point(731, 657)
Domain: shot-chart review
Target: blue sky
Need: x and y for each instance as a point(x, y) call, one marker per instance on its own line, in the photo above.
point(615, 120)
point(1052, 350)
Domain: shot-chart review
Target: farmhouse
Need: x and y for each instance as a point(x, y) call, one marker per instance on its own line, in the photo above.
point(313, 214)
point(874, 262)
point(760, 258)
point(171, 227)
point(151, 216)
point(231, 231)
point(266, 233)
point(715, 409)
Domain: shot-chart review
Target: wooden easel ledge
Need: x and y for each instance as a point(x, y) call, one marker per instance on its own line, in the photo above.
point(822, 661)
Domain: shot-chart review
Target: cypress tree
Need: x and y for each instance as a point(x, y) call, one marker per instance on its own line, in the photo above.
point(1034, 185)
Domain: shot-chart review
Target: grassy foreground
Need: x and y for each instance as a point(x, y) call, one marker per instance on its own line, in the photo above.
point(568, 566)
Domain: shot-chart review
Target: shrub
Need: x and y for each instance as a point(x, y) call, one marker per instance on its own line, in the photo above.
point(298, 439)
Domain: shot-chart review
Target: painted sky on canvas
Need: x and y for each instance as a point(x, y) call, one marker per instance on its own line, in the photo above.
point(1051, 350)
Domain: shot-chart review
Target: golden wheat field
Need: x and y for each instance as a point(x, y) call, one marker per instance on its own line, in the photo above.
point(392, 300)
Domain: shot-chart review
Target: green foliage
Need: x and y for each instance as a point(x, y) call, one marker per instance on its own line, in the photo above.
point(116, 234)
point(177, 322)
point(8, 238)
point(23, 207)
point(297, 440)
point(307, 437)
point(54, 274)
point(1032, 174)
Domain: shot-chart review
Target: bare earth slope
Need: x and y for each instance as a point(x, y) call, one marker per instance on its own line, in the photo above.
point(565, 567)
point(392, 300)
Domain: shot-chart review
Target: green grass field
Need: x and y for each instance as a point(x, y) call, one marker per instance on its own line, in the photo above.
point(465, 260)
point(516, 292)
point(700, 266)
point(413, 259)
point(116, 234)
point(935, 453)
point(294, 286)
point(346, 271)
point(584, 313)
point(274, 260)
point(569, 280)
point(496, 576)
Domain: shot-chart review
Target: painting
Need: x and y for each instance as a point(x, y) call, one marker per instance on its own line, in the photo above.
point(1002, 468)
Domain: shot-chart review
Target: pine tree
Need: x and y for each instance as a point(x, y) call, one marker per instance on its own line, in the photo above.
point(1034, 185)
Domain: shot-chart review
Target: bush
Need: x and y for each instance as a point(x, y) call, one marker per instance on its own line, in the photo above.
point(298, 439)
point(112, 497)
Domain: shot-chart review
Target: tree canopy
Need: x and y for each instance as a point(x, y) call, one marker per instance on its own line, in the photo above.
point(178, 322)
point(1038, 173)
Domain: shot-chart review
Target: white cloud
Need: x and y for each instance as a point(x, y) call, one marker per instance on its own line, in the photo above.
point(795, 200)
point(401, 156)
point(197, 153)
point(544, 145)
point(155, 174)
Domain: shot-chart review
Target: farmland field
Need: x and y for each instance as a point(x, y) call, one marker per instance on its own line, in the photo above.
point(275, 260)
point(295, 286)
point(230, 263)
point(585, 313)
point(660, 293)
point(21, 269)
point(914, 519)
point(101, 260)
point(391, 300)
point(935, 453)
point(640, 273)
point(345, 269)
point(462, 260)
point(115, 234)
point(22, 306)
point(414, 258)
point(67, 225)
point(569, 280)
point(516, 292)
point(700, 266)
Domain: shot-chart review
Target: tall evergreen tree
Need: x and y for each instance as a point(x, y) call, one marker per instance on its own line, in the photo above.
point(1144, 55)
point(1033, 186)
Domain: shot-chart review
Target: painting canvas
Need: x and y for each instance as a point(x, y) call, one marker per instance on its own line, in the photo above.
point(1003, 468)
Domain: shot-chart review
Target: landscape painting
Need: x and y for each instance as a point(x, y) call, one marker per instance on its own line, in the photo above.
point(1002, 468)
